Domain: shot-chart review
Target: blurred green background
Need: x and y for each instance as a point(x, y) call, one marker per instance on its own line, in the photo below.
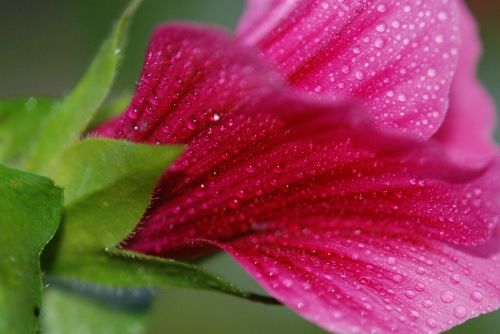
point(45, 47)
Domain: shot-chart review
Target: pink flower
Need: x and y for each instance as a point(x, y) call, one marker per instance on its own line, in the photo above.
point(317, 163)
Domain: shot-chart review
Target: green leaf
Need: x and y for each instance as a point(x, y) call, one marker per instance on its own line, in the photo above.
point(125, 269)
point(19, 119)
point(64, 312)
point(72, 116)
point(108, 186)
point(31, 208)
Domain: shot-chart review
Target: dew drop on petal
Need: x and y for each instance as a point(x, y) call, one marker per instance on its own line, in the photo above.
point(410, 294)
point(427, 303)
point(447, 297)
point(397, 278)
point(431, 323)
point(380, 27)
point(414, 314)
point(455, 279)
point(133, 113)
point(250, 169)
point(420, 287)
point(381, 8)
point(476, 296)
point(460, 312)
point(443, 16)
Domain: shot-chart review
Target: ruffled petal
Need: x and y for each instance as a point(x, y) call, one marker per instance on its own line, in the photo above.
point(268, 168)
point(259, 155)
point(359, 279)
point(247, 174)
point(398, 58)
point(468, 127)
point(193, 75)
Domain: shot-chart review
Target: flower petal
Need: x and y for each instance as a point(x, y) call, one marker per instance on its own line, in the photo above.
point(192, 76)
point(359, 279)
point(467, 130)
point(259, 173)
point(270, 157)
point(397, 57)
point(306, 182)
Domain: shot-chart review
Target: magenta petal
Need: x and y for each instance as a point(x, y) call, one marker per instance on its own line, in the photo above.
point(469, 123)
point(259, 156)
point(397, 57)
point(359, 279)
point(193, 76)
point(310, 188)
point(246, 174)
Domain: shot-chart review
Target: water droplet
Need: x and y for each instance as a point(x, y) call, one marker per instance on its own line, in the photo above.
point(277, 169)
point(410, 294)
point(191, 124)
point(447, 297)
point(443, 16)
point(235, 203)
point(250, 169)
point(154, 100)
point(391, 260)
point(414, 314)
point(455, 279)
point(420, 287)
point(380, 27)
point(381, 8)
point(133, 113)
point(476, 296)
point(460, 312)
point(427, 303)
point(379, 42)
point(397, 278)
point(431, 323)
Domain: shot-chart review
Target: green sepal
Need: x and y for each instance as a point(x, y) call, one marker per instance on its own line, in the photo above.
point(20, 118)
point(31, 208)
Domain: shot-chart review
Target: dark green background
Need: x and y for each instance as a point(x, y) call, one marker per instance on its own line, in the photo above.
point(45, 46)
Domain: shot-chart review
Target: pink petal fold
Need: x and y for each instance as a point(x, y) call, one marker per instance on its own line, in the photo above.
point(397, 57)
point(192, 77)
point(359, 279)
point(468, 127)
point(298, 184)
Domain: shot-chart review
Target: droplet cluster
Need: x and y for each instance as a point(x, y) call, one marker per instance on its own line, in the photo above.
point(351, 228)
point(397, 57)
